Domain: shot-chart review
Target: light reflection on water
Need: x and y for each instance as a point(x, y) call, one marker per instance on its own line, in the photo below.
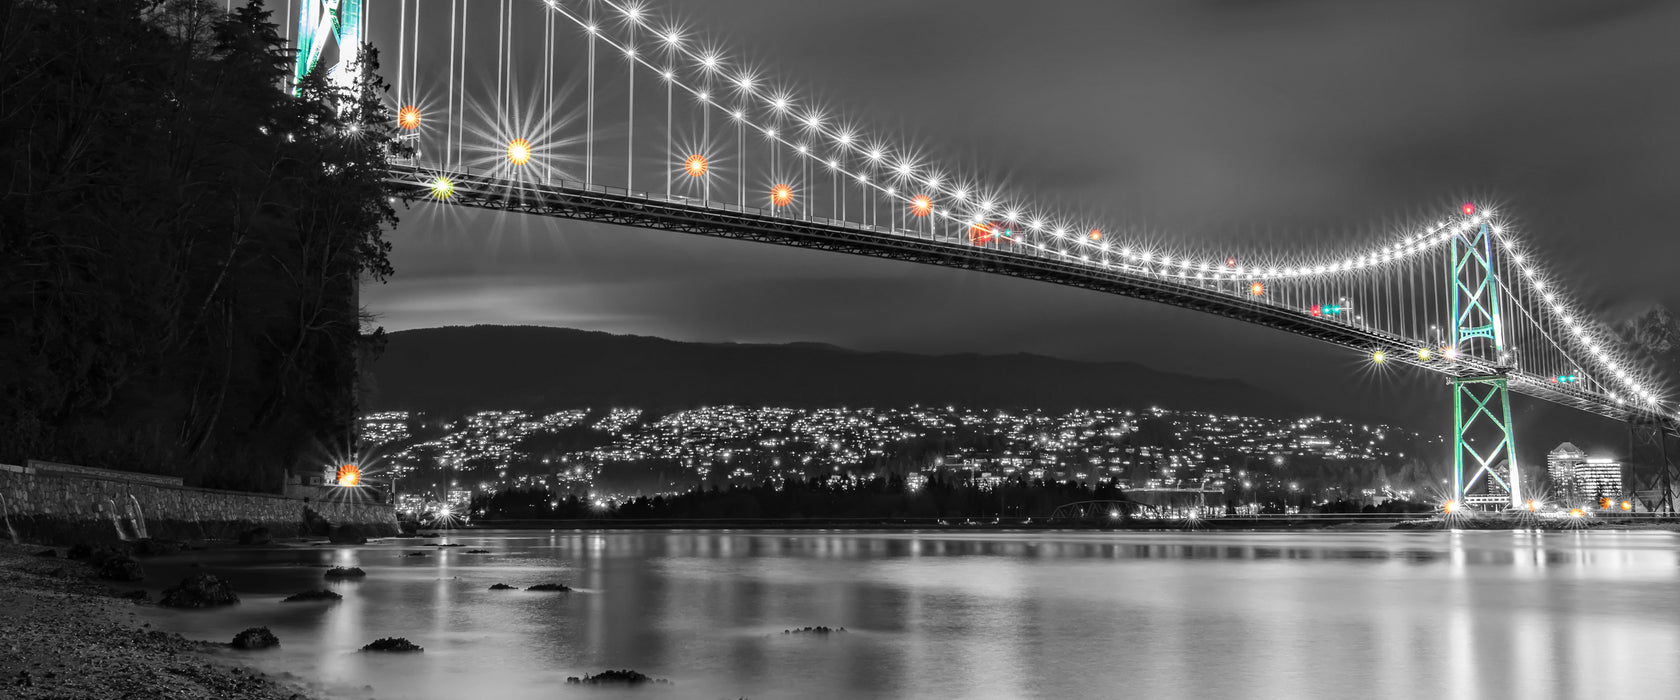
point(982, 615)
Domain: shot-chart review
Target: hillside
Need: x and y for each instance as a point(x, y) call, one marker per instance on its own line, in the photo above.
point(538, 368)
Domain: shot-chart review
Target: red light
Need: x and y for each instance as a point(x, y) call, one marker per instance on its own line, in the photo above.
point(1317, 310)
point(1468, 208)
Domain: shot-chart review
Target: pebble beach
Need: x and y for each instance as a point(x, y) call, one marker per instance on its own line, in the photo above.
point(66, 634)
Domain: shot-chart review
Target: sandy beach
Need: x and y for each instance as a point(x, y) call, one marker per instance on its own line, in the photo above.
point(66, 635)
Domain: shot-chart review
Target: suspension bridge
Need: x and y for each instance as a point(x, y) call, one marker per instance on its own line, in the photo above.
point(601, 110)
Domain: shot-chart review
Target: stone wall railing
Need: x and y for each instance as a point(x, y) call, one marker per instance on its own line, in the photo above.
point(45, 502)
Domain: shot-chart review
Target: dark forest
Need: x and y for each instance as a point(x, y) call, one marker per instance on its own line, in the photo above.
point(182, 241)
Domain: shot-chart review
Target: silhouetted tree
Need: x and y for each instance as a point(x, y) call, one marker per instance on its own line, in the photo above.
point(181, 240)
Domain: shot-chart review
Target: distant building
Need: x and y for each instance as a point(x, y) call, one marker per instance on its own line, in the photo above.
point(1577, 478)
point(1561, 464)
point(1599, 478)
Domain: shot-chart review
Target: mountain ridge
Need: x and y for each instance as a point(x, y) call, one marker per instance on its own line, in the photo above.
point(481, 367)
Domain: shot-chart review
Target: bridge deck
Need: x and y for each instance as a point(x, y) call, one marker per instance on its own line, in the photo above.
point(582, 202)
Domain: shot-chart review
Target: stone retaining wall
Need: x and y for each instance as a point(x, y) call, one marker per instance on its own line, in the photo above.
point(54, 504)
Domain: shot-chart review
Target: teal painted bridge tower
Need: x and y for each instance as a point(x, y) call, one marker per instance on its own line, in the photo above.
point(1484, 440)
point(320, 20)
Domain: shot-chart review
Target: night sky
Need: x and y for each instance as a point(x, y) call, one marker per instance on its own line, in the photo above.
point(1218, 125)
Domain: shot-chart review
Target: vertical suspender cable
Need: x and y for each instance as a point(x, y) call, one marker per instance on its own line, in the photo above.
point(449, 109)
point(548, 93)
point(589, 136)
point(461, 122)
point(501, 53)
point(402, 44)
point(741, 155)
point(670, 126)
point(508, 101)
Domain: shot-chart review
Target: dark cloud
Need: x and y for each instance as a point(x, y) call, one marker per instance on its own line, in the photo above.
point(1242, 126)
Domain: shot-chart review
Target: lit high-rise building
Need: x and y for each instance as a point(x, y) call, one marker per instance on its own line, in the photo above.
point(1578, 479)
point(1599, 478)
point(1560, 467)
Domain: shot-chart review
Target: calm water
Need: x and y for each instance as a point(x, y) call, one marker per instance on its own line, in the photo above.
point(997, 615)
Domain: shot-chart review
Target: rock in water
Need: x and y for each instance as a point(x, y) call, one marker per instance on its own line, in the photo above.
point(255, 638)
point(199, 591)
point(341, 572)
point(819, 629)
point(618, 677)
point(322, 594)
point(556, 587)
point(392, 644)
point(348, 534)
point(502, 587)
point(478, 551)
point(116, 567)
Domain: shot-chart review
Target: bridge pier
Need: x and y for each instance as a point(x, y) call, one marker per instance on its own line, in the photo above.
point(1482, 430)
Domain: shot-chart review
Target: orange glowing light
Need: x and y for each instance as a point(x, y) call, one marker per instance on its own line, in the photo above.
point(1096, 234)
point(519, 151)
point(781, 195)
point(1257, 289)
point(1230, 262)
point(409, 117)
point(1449, 506)
point(349, 475)
point(921, 205)
point(1627, 505)
point(1576, 512)
point(1532, 506)
point(695, 165)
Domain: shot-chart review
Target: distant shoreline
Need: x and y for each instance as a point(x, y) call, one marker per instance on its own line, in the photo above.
point(1365, 522)
point(949, 525)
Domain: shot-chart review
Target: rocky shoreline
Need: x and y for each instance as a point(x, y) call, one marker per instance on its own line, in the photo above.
point(67, 635)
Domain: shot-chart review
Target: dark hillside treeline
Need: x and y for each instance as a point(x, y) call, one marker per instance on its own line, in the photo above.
point(877, 498)
point(181, 241)
point(943, 496)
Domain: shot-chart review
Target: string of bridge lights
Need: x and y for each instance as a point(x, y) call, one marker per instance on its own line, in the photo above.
point(1555, 305)
point(904, 169)
point(902, 166)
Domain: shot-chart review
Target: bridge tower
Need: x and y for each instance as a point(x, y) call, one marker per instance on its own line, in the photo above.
point(319, 20)
point(1483, 436)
